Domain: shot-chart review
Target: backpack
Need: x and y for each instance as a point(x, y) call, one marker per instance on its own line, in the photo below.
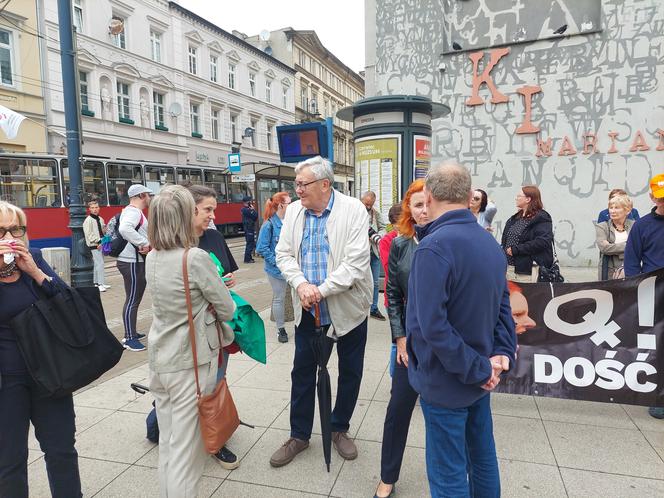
point(117, 241)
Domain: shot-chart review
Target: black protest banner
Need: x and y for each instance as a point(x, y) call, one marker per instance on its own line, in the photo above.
point(596, 341)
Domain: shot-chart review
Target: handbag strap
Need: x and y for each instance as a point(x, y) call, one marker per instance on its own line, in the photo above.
point(317, 315)
point(190, 318)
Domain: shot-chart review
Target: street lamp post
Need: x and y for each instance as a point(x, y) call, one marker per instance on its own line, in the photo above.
point(81, 262)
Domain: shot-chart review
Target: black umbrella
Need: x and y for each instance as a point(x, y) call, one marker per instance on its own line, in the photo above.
point(322, 347)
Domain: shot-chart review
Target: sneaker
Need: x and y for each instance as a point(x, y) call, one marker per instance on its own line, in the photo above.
point(282, 336)
point(134, 345)
point(138, 336)
point(656, 412)
point(101, 288)
point(227, 459)
point(288, 451)
point(344, 445)
point(377, 315)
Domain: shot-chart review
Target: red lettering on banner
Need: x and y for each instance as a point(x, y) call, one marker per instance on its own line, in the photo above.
point(612, 136)
point(544, 148)
point(527, 91)
point(496, 96)
point(660, 145)
point(639, 143)
point(567, 149)
point(589, 143)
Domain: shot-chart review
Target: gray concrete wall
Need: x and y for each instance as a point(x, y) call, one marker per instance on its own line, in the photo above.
point(610, 81)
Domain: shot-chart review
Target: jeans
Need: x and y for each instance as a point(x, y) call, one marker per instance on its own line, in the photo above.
point(350, 349)
point(53, 418)
point(397, 421)
point(98, 261)
point(393, 359)
point(250, 239)
point(279, 289)
point(375, 272)
point(460, 451)
point(221, 372)
point(133, 275)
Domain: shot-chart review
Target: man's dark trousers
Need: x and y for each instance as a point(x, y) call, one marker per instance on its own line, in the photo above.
point(250, 239)
point(350, 349)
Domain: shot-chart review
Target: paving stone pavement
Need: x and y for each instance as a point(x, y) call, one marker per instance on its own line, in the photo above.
point(546, 447)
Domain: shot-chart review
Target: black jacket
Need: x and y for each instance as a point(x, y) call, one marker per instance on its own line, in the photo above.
point(535, 243)
point(398, 271)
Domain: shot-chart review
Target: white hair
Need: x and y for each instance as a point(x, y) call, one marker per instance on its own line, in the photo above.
point(320, 167)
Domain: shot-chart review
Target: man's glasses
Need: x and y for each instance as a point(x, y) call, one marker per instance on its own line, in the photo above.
point(18, 231)
point(303, 185)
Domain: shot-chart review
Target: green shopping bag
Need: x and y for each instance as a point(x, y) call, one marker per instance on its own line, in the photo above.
point(246, 323)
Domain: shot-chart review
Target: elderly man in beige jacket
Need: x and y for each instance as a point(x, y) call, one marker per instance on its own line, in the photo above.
point(323, 253)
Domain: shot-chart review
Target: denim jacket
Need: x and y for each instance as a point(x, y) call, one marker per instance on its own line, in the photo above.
point(267, 242)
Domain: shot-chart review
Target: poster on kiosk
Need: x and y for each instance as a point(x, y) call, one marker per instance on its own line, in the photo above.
point(378, 168)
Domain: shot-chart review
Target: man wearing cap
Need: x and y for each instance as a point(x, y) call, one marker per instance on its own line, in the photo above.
point(249, 217)
point(644, 251)
point(133, 227)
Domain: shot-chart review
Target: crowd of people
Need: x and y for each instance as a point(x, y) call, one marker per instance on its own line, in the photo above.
point(326, 251)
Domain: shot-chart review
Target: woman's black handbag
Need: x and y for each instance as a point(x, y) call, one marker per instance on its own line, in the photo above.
point(551, 273)
point(65, 342)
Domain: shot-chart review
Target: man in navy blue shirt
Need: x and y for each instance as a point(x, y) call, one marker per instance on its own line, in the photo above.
point(644, 251)
point(249, 217)
point(460, 337)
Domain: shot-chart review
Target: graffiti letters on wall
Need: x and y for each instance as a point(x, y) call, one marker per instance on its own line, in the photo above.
point(598, 93)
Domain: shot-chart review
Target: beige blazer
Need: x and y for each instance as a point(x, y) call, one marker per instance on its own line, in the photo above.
point(169, 348)
point(348, 288)
point(605, 237)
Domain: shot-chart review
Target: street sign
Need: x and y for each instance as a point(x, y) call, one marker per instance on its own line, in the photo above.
point(243, 178)
point(234, 164)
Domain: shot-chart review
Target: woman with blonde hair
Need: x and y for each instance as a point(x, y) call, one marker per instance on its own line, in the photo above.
point(403, 396)
point(611, 237)
point(273, 215)
point(24, 278)
point(172, 236)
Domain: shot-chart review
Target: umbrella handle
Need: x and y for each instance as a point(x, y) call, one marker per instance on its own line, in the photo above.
point(317, 315)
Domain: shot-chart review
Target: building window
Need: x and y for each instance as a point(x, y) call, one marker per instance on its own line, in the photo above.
point(254, 126)
point(195, 119)
point(231, 75)
point(77, 19)
point(123, 101)
point(302, 59)
point(270, 136)
point(304, 100)
point(326, 107)
point(158, 108)
point(234, 127)
point(215, 124)
point(6, 57)
point(268, 91)
point(120, 40)
point(83, 85)
point(155, 45)
point(213, 68)
point(284, 97)
point(193, 60)
point(252, 84)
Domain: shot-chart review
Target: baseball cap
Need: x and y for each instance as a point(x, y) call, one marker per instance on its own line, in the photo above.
point(138, 189)
point(246, 198)
point(657, 186)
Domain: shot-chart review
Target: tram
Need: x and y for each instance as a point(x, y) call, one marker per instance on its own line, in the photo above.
point(40, 185)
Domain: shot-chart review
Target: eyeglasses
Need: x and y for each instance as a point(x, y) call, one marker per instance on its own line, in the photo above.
point(303, 185)
point(18, 231)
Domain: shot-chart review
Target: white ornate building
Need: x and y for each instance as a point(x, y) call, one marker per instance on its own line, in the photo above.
point(170, 87)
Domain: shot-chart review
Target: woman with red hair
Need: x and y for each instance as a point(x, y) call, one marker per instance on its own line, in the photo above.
point(403, 397)
point(273, 214)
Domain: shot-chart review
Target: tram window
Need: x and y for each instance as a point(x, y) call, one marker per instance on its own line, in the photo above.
point(190, 176)
point(29, 182)
point(217, 181)
point(157, 177)
point(237, 191)
point(94, 186)
point(120, 178)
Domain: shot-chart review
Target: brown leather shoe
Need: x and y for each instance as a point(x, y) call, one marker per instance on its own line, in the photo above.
point(288, 451)
point(344, 445)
